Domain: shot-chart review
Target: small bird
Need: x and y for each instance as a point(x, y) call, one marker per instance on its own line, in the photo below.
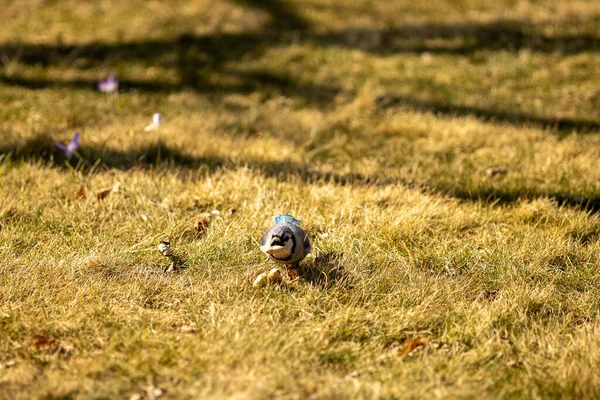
point(286, 242)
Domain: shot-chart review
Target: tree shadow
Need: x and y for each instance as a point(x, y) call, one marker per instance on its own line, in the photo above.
point(84, 84)
point(283, 15)
point(503, 197)
point(42, 148)
point(203, 64)
point(460, 39)
point(200, 60)
point(239, 82)
point(563, 125)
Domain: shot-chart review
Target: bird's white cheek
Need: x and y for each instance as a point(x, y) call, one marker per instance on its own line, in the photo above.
point(280, 253)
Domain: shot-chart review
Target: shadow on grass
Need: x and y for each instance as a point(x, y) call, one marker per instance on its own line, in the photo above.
point(42, 148)
point(188, 52)
point(239, 82)
point(325, 271)
point(209, 63)
point(563, 125)
point(283, 15)
point(502, 197)
point(461, 39)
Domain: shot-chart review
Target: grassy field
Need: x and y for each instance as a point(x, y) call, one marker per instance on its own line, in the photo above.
point(444, 158)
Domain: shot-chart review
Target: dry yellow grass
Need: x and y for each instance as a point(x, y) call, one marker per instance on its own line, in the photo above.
point(443, 157)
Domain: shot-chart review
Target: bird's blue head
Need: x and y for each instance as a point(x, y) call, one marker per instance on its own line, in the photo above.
point(285, 218)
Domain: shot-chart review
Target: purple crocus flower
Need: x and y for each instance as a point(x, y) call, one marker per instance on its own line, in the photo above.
point(109, 85)
point(156, 120)
point(70, 147)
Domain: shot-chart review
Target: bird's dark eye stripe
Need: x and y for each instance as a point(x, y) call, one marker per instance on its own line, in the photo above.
point(284, 238)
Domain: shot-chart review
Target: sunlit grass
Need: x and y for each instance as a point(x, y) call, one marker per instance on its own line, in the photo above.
point(378, 125)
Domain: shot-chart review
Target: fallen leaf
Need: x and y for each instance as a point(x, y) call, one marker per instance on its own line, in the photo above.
point(201, 226)
point(41, 342)
point(216, 213)
point(10, 363)
point(292, 274)
point(174, 267)
point(204, 221)
point(102, 194)
point(410, 345)
point(80, 193)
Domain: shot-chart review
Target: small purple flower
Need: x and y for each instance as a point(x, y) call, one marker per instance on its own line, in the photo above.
point(156, 120)
point(70, 147)
point(109, 85)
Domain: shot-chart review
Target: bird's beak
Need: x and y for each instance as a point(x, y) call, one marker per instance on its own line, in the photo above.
point(274, 249)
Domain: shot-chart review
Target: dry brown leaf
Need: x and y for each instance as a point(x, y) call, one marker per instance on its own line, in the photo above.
point(203, 223)
point(292, 274)
point(80, 193)
point(173, 267)
point(410, 345)
point(102, 194)
point(41, 342)
point(201, 226)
